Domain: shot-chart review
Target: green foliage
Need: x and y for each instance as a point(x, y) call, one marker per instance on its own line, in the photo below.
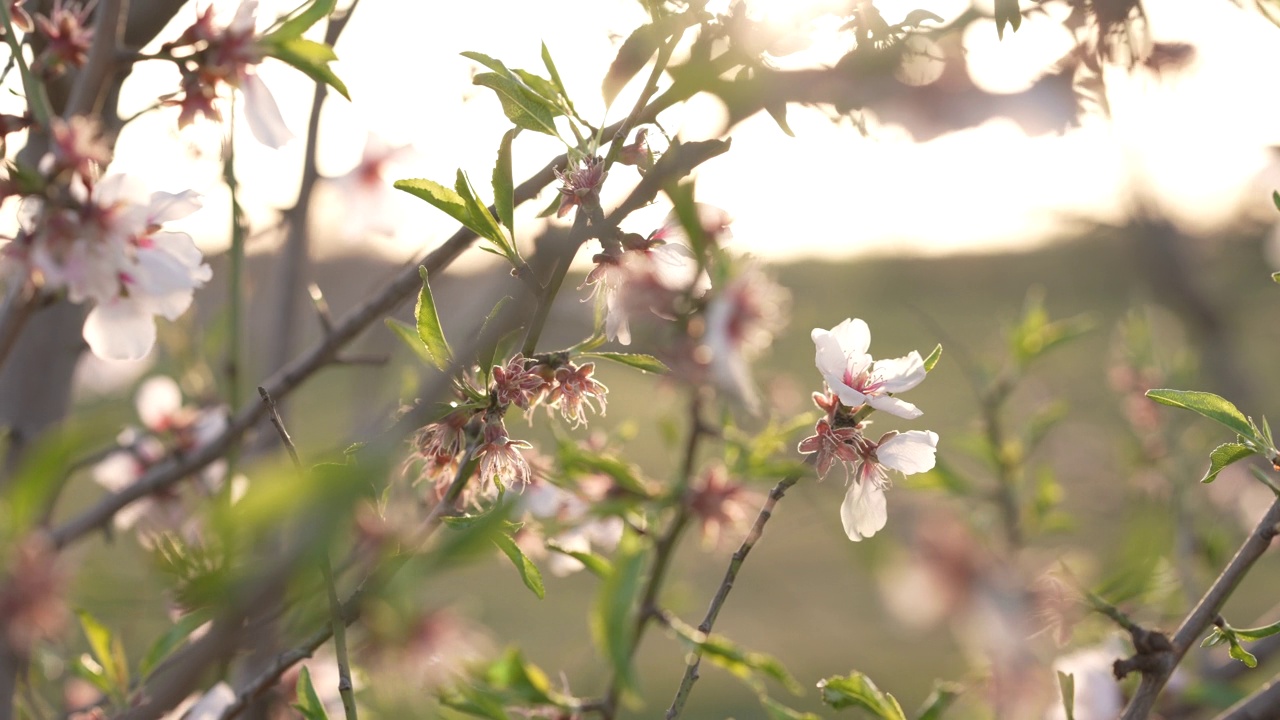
point(743, 664)
point(300, 19)
point(528, 571)
point(613, 625)
point(308, 701)
point(932, 361)
point(462, 204)
point(508, 681)
point(1067, 684)
point(939, 699)
point(427, 322)
point(504, 183)
point(643, 363)
point(409, 335)
point(1208, 405)
point(529, 101)
point(632, 56)
point(1224, 455)
point(112, 673)
point(1234, 636)
point(308, 56)
point(1036, 334)
point(857, 690)
point(170, 641)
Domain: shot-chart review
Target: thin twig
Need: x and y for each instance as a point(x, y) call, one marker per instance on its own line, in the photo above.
point(20, 302)
point(730, 575)
point(1261, 705)
point(1156, 667)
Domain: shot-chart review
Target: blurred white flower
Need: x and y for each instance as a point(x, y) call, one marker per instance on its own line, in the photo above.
point(370, 203)
point(1097, 693)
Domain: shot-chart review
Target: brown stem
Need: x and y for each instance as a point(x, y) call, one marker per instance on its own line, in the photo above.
point(1156, 666)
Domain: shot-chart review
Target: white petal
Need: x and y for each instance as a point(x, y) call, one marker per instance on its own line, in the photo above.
point(894, 406)
point(909, 452)
point(211, 706)
point(847, 395)
point(184, 249)
point(263, 114)
point(830, 358)
point(120, 330)
point(117, 471)
point(158, 398)
point(120, 189)
point(863, 511)
point(854, 336)
point(900, 374)
point(160, 273)
point(172, 206)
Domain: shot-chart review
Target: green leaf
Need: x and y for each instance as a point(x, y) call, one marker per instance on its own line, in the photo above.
point(943, 694)
point(309, 56)
point(1067, 684)
point(857, 690)
point(1239, 653)
point(170, 641)
point(409, 335)
point(528, 571)
point(932, 361)
point(108, 651)
point(632, 56)
point(597, 565)
point(308, 701)
point(503, 184)
point(1275, 276)
point(307, 15)
point(486, 226)
point(441, 197)
point(613, 615)
point(644, 363)
point(1007, 13)
point(520, 103)
point(723, 652)
point(527, 682)
point(1275, 198)
point(428, 324)
point(1208, 405)
point(1255, 634)
point(1222, 456)
point(550, 65)
point(474, 701)
point(778, 711)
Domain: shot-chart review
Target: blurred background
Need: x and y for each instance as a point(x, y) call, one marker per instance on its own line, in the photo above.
point(1133, 198)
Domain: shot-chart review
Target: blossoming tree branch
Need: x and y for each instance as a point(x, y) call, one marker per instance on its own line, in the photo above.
point(298, 580)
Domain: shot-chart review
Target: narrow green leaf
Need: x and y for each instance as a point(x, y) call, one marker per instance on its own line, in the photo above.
point(597, 565)
point(1275, 198)
point(940, 698)
point(441, 197)
point(474, 701)
point(632, 56)
point(723, 652)
point(488, 353)
point(932, 361)
point(486, 226)
point(550, 65)
point(107, 650)
point(613, 616)
point(1216, 637)
point(1067, 684)
point(857, 690)
point(309, 14)
point(522, 106)
point(1208, 405)
point(1239, 653)
point(644, 363)
point(778, 711)
point(95, 675)
point(525, 681)
point(170, 641)
point(310, 57)
point(528, 571)
point(1255, 634)
point(409, 335)
point(1222, 456)
point(308, 701)
point(428, 324)
point(503, 183)
point(1275, 277)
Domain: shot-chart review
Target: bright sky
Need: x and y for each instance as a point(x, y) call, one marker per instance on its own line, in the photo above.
point(1197, 138)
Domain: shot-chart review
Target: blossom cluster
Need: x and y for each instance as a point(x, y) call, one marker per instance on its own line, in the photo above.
point(855, 385)
point(103, 241)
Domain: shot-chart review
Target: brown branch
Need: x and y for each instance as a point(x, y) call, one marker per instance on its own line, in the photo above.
point(1157, 665)
point(730, 575)
point(91, 85)
point(1261, 705)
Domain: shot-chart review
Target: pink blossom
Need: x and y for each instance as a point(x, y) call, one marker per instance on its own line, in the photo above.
point(831, 444)
point(643, 276)
point(370, 203)
point(741, 320)
point(517, 383)
point(575, 390)
point(500, 458)
point(718, 503)
point(580, 185)
point(857, 379)
point(67, 35)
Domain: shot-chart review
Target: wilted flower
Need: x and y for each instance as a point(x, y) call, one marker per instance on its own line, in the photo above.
point(67, 35)
point(831, 444)
point(517, 383)
point(437, 447)
point(31, 589)
point(857, 379)
point(19, 16)
point(228, 56)
point(717, 502)
point(575, 390)
point(580, 185)
point(499, 455)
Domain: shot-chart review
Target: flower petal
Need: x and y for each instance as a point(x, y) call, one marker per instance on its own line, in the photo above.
point(830, 356)
point(158, 398)
point(909, 452)
point(121, 329)
point(900, 374)
point(165, 206)
point(263, 114)
point(894, 406)
point(854, 336)
point(864, 510)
